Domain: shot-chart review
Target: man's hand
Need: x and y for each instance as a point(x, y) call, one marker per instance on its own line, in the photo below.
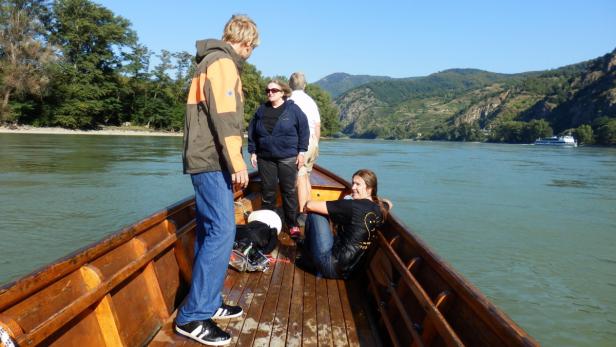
point(240, 178)
point(300, 161)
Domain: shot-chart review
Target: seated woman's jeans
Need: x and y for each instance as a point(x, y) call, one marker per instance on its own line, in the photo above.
point(319, 242)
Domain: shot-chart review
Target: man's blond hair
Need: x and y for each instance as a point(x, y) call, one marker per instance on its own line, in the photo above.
point(241, 29)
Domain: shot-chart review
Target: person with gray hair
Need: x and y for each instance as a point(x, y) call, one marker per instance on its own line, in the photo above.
point(297, 82)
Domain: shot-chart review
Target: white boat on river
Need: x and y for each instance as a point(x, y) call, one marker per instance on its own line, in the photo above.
point(563, 141)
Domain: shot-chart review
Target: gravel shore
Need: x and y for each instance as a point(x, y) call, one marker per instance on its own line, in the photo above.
point(106, 131)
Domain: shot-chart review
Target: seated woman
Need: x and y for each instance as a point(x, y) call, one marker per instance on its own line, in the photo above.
point(356, 221)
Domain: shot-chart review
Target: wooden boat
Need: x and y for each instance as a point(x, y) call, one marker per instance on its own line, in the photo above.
point(125, 290)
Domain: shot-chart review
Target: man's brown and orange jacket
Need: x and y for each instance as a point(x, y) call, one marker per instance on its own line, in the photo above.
point(213, 126)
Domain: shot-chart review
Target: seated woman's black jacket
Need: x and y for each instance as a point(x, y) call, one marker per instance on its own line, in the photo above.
point(356, 221)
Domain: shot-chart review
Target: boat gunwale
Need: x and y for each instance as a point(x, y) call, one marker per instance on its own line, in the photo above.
point(14, 291)
point(463, 288)
point(29, 284)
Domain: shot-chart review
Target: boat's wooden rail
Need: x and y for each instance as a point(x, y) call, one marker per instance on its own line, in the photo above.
point(115, 293)
point(423, 302)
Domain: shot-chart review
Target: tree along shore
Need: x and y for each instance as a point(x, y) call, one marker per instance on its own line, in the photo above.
point(75, 64)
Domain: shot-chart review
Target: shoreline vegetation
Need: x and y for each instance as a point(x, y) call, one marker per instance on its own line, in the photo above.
point(55, 73)
point(144, 131)
point(107, 130)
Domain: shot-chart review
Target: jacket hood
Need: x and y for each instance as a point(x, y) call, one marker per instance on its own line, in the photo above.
point(205, 47)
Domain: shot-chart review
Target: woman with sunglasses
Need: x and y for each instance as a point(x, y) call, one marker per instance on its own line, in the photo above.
point(277, 141)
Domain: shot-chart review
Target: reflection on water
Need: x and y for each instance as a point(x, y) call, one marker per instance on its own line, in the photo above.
point(45, 154)
point(532, 227)
point(568, 183)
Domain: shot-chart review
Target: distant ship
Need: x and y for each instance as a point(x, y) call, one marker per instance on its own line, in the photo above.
point(563, 141)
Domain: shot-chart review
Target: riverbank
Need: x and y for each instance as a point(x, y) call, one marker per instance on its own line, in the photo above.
point(124, 131)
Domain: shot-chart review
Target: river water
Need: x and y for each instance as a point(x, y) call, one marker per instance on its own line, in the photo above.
point(534, 228)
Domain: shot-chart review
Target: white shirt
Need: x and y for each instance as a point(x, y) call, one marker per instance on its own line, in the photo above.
point(308, 106)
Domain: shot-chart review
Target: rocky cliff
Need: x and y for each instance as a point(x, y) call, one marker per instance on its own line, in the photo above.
point(414, 108)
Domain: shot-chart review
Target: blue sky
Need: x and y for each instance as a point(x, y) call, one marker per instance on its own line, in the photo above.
point(386, 37)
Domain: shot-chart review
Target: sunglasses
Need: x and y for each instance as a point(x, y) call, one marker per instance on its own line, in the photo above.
point(273, 90)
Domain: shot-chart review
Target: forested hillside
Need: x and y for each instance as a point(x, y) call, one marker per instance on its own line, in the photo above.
point(338, 83)
point(75, 64)
point(475, 105)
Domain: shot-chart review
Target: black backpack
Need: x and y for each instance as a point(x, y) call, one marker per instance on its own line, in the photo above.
point(262, 237)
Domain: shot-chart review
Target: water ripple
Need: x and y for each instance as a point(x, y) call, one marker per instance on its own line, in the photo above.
point(568, 183)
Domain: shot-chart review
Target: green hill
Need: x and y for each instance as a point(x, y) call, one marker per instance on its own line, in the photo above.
point(338, 83)
point(445, 104)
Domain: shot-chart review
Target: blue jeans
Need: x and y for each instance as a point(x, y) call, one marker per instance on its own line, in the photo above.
point(213, 244)
point(319, 241)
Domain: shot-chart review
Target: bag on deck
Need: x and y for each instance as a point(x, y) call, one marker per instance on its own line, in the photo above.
point(252, 242)
point(246, 257)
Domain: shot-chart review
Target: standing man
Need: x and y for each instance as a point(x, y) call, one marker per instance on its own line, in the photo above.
point(297, 82)
point(213, 157)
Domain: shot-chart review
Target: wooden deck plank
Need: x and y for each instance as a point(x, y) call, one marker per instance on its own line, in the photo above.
point(281, 321)
point(309, 329)
point(264, 329)
point(324, 331)
point(252, 282)
point(253, 316)
point(338, 329)
point(296, 314)
point(349, 320)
